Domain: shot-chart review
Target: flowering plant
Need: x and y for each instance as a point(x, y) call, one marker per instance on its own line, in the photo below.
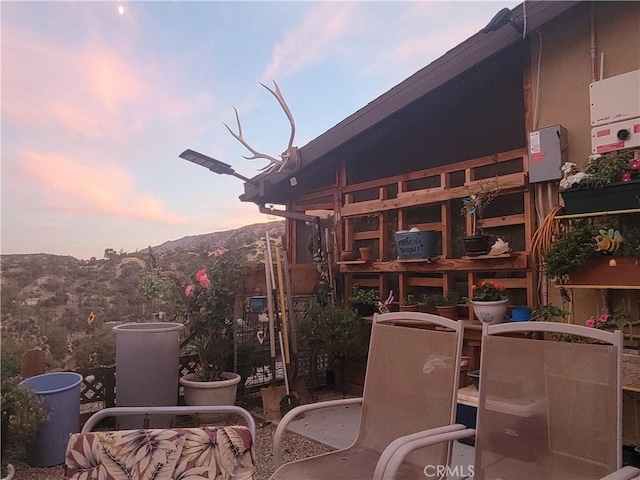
point(602, 170)
point(209, 307)
point(607, 321)
point(488, 291)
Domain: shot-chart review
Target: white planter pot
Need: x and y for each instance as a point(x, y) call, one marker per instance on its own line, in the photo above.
point(490, 312)
point(221, 392)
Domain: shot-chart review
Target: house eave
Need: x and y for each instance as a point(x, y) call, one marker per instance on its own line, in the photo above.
point(452, 64)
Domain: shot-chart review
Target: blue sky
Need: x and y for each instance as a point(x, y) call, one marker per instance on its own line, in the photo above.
point(100, 98)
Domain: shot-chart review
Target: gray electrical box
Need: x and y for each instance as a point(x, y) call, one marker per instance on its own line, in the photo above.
point(547, 153)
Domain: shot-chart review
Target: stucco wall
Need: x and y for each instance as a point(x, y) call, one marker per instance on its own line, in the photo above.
point(565, 75)
point(565, 72)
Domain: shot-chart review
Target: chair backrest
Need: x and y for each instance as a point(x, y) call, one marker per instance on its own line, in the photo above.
point(204, 452)
point(221, 452)
point(411, 381)
point(549, 404)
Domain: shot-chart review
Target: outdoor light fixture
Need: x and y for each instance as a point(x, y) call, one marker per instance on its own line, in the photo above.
point(216, 166)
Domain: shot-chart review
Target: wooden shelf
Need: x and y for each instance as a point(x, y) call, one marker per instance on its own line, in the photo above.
point(488, 257)
point(353, 262)
point(598, 214)
point(513, 261)
point(417, 260)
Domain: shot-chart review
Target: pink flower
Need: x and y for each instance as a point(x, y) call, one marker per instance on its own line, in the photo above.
point(591, 322)
point(626, 176)
point(201, 277)
point(634, 164)
point(189, 289)
point(604, 318)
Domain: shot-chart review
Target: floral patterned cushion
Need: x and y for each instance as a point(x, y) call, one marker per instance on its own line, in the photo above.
point(177, 454)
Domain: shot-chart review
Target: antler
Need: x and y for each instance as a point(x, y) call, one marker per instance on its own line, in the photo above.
point(290, 154)
point(273, 162)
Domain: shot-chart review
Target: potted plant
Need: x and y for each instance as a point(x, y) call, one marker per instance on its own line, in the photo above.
point(489, 302)
point(209, 310)
point(608, 182)
point(409, 304)
point(473, 206)
point(583, 254)
point(447, 305)
point(340, 333)
point(363, 300)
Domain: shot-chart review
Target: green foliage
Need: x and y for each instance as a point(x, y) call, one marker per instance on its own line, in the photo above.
point(488, 291)
point(10, 365)
point(438, 300)
point(158, 284)
point(210, 302)
point(572, 250)
point(365, 296)
point(95, 350)
point(335, 330)
point(548, 313)
point(410, 300)
point(578, 245)
point(609, 168)
point(20, 336)
point(27, 412)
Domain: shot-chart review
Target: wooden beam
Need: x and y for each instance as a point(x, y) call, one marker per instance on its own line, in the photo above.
point(427, 196)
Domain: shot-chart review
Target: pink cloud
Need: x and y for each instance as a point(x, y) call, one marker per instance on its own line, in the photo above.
point(312, 39)
point(97, 90)
point(106, 189)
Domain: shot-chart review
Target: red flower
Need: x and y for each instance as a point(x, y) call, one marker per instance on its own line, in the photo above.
point(626, 176)
point(201, 277)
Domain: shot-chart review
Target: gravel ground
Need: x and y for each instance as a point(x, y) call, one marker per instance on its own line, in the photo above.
point(294, 448)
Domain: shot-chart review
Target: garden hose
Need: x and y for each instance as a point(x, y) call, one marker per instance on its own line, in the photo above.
point(543, 236)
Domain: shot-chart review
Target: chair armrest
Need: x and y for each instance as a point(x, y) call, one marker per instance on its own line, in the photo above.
point(186, 410)
point(293, 413)
point(625, 473)
point(428, 438)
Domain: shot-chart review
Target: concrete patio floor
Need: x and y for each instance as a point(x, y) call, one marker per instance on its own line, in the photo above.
point(337, 427)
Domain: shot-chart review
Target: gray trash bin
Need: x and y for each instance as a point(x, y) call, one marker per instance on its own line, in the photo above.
point(60, 393)
point(147, 363)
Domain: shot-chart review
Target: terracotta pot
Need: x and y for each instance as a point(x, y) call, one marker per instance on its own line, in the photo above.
point(448, 311)
point(410, 308)
point(365, 253)
point(490, 312)
point(348, 256)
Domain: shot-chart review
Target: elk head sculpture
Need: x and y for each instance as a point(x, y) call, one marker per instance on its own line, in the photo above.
point(289, 159)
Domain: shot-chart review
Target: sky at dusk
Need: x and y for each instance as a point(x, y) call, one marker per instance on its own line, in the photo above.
point(99, 99)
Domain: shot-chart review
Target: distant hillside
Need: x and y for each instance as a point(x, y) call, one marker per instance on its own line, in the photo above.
point(243, 236)
point(48, 298)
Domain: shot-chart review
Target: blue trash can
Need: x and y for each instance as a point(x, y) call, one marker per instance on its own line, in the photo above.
point(60, 393)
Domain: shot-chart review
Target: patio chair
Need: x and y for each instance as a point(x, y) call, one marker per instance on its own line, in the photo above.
point(410, 386)
point(549, 405)
point(220, 452)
